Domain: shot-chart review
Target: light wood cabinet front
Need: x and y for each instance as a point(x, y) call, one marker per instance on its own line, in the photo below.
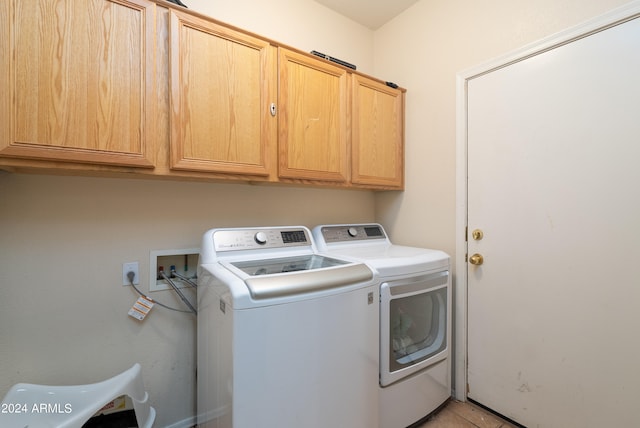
point(80, 81)
point(378, 134)
point(313, 119)
point(222, 85)
point(122, 86)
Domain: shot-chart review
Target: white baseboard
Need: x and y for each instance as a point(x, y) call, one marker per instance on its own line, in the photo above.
point(185, 423)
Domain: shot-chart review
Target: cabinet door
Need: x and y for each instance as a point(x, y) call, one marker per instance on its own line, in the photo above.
point(223, 83)
point(80, 83)
point(313, 137)
point(378, 134)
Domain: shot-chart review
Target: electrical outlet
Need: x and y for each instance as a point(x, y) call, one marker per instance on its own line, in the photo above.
point(130, 267)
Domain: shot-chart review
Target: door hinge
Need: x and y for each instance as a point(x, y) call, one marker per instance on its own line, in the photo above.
point(466, 233)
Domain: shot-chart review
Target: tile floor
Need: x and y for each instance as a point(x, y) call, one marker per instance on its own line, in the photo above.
point(464, 415)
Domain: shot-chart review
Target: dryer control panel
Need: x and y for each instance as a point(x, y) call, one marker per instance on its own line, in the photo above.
point(353, 232)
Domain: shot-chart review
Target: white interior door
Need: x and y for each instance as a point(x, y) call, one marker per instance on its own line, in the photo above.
point(554, 184)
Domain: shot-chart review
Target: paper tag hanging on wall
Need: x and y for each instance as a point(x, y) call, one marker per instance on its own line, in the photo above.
point(141, 308)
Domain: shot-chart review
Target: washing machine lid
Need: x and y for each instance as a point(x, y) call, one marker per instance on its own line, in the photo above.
point(286, 264)
point(295, 275)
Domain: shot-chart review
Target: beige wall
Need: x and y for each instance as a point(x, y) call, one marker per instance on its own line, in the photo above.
point(63, 239)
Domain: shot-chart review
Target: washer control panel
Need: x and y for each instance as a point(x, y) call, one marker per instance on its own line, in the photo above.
point(258, 239)
point(357, 232)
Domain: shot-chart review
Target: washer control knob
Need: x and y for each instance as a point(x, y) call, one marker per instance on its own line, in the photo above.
point(353, 232)
point(260, 238)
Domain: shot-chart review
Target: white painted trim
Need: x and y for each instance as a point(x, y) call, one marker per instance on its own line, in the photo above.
point(607, 20)
point(460, 289)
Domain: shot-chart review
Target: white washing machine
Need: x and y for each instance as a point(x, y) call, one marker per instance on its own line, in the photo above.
point(415, 318)
point(287, 338)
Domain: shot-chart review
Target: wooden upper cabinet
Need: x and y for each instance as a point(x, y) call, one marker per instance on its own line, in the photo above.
point(222, 85)
point(377, 134)
point(313, 119)
point(131, 85)
point(80, 84)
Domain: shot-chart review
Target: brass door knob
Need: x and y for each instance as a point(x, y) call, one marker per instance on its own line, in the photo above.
point(477, 234)
point(476, 259)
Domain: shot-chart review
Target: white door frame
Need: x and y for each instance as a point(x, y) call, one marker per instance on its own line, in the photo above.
point(609, 19)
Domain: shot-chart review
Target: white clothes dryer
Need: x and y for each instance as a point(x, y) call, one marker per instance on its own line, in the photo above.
point(287, 338)
point(415, 318)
